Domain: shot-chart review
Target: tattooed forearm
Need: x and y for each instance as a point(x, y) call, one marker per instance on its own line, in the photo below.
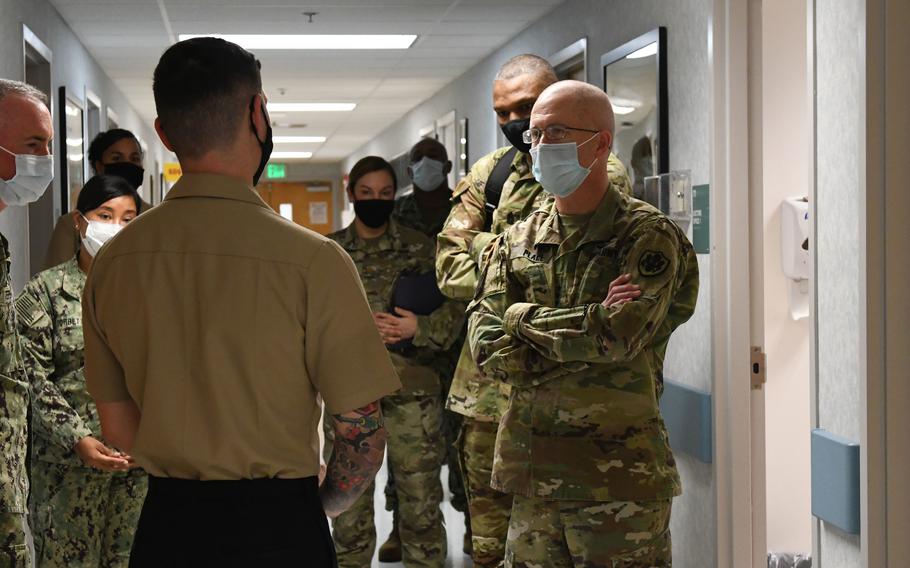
point(357, 456)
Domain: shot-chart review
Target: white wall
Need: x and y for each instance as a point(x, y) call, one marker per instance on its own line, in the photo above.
point(785, 173)
point(608, 24)
point(72, 67)
point(840, 27)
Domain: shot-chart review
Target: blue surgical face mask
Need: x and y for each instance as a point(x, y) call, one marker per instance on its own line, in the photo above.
point(557, 169)
point(427, 174)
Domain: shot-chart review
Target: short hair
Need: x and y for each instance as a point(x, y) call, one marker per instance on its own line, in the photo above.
point(369, 165)
point(101, 189)
point(427, 141)
point(105, 140)
point(10, 87)
point(202, 88)
point(526, 64)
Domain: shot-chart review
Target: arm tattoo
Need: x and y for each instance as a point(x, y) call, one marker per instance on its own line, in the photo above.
point(357, 456)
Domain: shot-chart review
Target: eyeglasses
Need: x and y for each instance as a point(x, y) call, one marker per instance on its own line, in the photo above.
point(553, 132)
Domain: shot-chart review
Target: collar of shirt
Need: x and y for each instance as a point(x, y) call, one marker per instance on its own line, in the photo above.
point(73, 279)
point(214, 186)
point(390, 240)
point(599, 228)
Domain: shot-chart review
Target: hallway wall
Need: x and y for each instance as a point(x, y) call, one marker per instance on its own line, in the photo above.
point(785, 154)
point(840, 188)
point(74, 68)
point(608, 24)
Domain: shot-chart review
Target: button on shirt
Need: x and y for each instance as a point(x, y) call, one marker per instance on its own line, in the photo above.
point(224, 322)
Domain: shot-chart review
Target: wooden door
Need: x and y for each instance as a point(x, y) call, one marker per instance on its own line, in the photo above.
point(309, 204)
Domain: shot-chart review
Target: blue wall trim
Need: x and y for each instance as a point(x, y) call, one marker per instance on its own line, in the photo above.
point(687, 413)
point(835, 480)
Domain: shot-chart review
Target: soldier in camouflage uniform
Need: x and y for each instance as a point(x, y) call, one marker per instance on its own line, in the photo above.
point(81, 516)
point(471, 226)
point(13, 430)
point(384, 251)
point(425, 210)
point(26, 130)
point(582, 446)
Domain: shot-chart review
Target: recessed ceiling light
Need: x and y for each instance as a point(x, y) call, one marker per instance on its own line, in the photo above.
point(619, 109)
point(311, 107)
point(298, 139)
point(314, 41)
point(290, 155)
point(74, 142)
point(646, 51)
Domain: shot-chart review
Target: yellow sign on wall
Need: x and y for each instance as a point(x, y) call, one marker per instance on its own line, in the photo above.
point(172, 171)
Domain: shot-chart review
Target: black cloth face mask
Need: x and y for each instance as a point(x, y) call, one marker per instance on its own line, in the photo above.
point(374, 213)
point(133, 174)
point(513, 131)
point(265, 145)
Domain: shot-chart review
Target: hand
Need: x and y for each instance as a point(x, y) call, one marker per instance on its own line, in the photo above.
point(621, 291)
point(396, 328)
point(94, 453)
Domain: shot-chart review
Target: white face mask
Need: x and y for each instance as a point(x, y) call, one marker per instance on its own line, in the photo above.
point(97, 234)
point(427, 174)
point(33, 175)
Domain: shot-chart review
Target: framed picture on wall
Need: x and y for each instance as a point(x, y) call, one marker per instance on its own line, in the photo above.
point(72, 150)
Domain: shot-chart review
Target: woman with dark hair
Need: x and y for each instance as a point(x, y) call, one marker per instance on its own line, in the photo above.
point(115, 152)
point(85, 500)
point(395, 263)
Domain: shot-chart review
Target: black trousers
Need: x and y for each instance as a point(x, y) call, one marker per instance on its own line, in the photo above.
point(259, 523)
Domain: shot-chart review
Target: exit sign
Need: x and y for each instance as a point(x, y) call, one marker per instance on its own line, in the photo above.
point(276, 171)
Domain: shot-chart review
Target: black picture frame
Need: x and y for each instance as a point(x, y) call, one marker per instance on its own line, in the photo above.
point(62, 162)
point(659, 36)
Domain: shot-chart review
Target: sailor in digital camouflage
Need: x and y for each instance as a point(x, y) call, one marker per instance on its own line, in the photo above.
point(385, 253)
point(85, 500)
point(26, 170)
point(582, 446)
point(480, 212)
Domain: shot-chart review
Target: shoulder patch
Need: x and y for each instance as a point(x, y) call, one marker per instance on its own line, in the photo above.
point(653, 263)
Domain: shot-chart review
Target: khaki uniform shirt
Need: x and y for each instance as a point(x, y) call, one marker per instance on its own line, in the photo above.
point(583, 421)
point(50, 324)
point(459, 249)
point(224, 322)
point(13, 399)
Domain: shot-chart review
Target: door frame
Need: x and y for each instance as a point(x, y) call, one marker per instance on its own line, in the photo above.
point(736, 408)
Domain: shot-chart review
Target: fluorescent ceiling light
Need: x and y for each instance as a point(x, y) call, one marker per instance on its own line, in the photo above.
point(646, 51)
point(74, 142)
point(71, 110)
point(314, 41)
point(75, 157)
point(619, 109)
point(298, 139)
point(311, 107)
point(290, 155)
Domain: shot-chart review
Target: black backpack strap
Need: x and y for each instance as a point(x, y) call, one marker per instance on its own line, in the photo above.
point(493, 188)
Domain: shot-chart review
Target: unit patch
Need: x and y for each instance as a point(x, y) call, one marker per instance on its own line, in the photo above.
point(653, 263)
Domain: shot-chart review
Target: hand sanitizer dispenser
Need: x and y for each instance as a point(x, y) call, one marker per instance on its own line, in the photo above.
point(794, 254)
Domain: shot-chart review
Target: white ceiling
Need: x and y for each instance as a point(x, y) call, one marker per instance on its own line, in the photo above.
point(127, 37)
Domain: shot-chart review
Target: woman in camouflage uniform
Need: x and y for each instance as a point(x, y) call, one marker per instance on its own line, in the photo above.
point(85, 500)
point(384, 252)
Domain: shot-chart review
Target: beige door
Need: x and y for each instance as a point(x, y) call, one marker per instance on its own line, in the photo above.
point(299, 202)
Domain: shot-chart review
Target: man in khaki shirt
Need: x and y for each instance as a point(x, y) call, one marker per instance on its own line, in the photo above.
point(212, 326)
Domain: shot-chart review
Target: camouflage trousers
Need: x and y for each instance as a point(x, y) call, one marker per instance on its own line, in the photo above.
point(14, 549)
point(451, 426)
point(588, 534)
point(489, 509)
point(416, 447)
point(83, 517)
